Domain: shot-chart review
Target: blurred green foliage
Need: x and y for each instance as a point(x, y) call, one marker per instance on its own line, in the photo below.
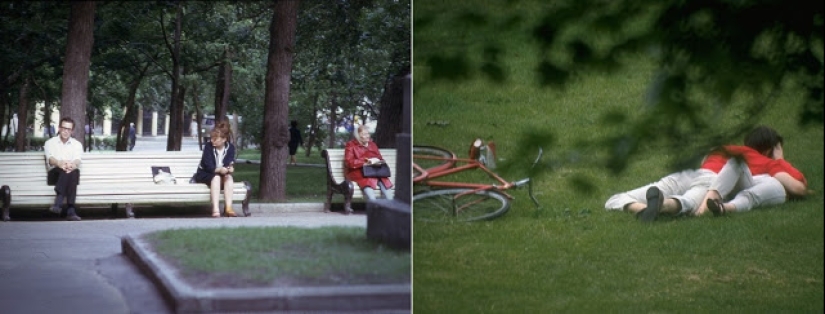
point(718, 65)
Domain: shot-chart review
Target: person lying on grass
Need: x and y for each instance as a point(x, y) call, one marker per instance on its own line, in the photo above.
point(754, 190)
point(684, 192)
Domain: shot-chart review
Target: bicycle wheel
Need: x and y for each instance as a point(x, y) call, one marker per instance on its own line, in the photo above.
point(446, 205)
point(431, 164)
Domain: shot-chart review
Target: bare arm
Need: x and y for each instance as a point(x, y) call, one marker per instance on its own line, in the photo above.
point(793, 186)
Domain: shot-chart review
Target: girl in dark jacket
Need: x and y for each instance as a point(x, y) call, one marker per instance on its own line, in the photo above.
point(216, 168)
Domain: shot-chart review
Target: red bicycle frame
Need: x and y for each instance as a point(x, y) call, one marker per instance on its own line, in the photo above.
point(427, 175)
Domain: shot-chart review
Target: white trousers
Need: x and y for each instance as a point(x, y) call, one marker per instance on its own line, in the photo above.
point(737, 185)
point(688, 187)
point(369, 193)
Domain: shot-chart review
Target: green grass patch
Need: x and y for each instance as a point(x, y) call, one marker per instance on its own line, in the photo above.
point(571, 255)
point(300, 157)
point(280, 256)
point(303, 184)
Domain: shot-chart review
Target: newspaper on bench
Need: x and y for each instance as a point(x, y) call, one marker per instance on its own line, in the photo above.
point(162, 175)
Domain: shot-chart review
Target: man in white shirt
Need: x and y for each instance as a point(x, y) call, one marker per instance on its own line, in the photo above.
point(63, 161)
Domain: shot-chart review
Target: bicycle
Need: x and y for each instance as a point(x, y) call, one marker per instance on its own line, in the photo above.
point(451, 201)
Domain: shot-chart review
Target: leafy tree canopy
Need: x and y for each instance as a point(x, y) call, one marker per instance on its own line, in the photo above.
point(713, 56)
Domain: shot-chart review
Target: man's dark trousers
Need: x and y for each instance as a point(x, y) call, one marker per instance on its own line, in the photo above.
point(65, 184)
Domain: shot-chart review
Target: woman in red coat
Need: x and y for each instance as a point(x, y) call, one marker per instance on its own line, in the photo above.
point(358, 152)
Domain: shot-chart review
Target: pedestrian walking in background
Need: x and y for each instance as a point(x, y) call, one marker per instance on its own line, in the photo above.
point(132, 136)
point(295, 140)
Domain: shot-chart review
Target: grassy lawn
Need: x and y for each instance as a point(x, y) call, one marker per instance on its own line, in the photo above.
point(283, 256)
point(572, 255)
point(300, 157)
point(304, 184)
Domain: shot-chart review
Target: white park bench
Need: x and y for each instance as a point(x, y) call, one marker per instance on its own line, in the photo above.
point(109, 178)
point(338, 184)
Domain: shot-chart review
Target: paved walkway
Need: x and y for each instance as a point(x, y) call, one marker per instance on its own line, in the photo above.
point(52, 266)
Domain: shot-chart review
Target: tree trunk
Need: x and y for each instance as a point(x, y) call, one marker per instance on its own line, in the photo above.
point(175, 132)
point(222, 86)
point(391, 112)
point(47, 119)
point(8, 80)
point(174, 124)
point(198, 115)
point(20, 138)
point(90, 118)
point(131, 112)
point(76, 66)
point(333, 119)
point(274, 152)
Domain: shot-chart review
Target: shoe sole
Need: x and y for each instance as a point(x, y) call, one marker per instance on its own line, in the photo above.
point(654, 204)
point(714, 208)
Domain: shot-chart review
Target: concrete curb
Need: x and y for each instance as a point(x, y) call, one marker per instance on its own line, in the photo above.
point(184, 298)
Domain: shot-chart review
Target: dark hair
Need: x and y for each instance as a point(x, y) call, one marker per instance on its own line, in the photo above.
point(67, 119)
point(763, 138)
point(294, 123)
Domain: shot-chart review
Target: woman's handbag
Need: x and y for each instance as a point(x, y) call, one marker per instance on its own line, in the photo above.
point(381, 170)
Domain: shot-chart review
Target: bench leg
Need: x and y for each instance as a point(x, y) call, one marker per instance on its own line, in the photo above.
point(245, 203)
point(329, 199)
point(348, 197)
point(129, 212)
point(6, 202)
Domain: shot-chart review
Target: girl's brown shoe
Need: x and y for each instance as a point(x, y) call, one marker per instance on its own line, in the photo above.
point(229, 212)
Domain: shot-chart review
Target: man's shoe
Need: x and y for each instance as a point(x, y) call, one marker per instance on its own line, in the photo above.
point(55, 209)
point(654, 204)
point(71, 215)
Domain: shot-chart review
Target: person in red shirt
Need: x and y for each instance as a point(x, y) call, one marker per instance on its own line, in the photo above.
point(754, 179)
point(686, 192)
point(361, 151)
